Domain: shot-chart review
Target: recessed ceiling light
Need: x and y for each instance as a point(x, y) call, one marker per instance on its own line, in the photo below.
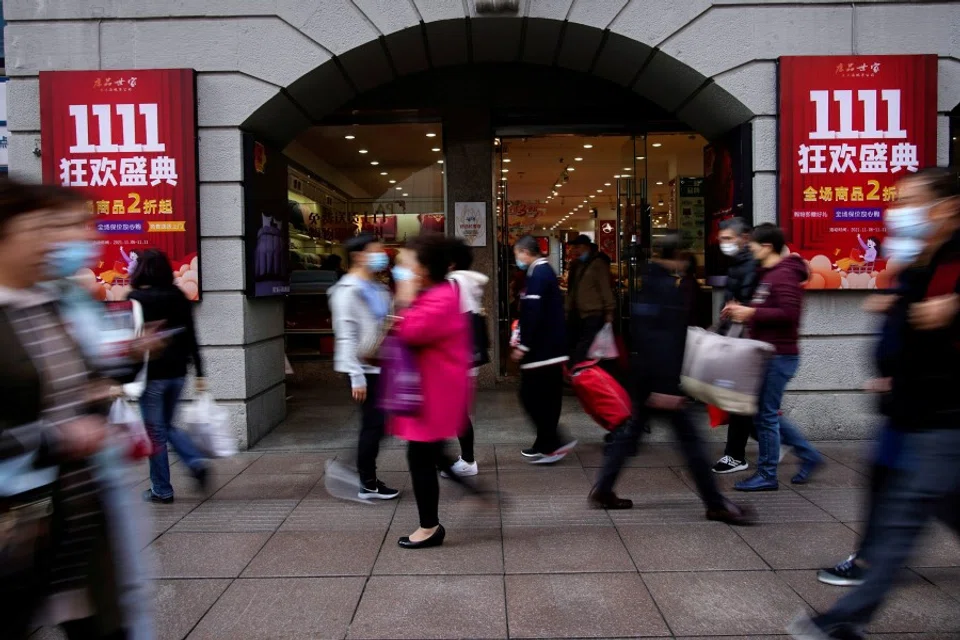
point(584, 201)
point(504, 170)
point(606, 184)
point(627, 169)
point(435, 149)
point(431, 135)
point(571, 169)
point(641, 157)
point(659, 183)
point(578, 159)
point(507, 160)
point(363, 150)
point(393, 182)
point(599, 190)
point(558, 185)
point(656, 145)
point(439, 161)
point(349, 137)
point(504, 178)
point(617, 177)
point(374, 162)
point(588, 146)
point(405, 195)
point(383, 173)
point(592, 195)
point(399, 188)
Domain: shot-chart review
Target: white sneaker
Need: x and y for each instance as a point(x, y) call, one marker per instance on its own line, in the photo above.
point(462, 469)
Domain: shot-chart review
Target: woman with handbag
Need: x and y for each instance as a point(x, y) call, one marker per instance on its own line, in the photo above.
point(51, 425)
point(429, 324)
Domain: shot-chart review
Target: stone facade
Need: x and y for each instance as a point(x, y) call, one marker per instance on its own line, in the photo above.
point(273, 66)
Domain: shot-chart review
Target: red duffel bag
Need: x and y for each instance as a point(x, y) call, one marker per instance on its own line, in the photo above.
point(600, 395)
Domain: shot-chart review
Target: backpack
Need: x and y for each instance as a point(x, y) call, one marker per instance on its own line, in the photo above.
point(479, 331)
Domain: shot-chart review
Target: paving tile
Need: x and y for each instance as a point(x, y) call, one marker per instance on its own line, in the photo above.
point(696, 604)
point(948, 579)
point(329, 514)
point(282, 608)
point(551, 511)
point(234, 464)
point(466, 551)
point(268, 486)
point(846, 505)
point(725, 481)
point(181, 603)
point(186, 488)
point(856, 455)
point(431, 607)
point(581, 606)
point(316, 553)
point(205, 555)
point(696, 547)
point(398, 480)
point(558, 550)
point(914, 605)
point(830, 476)
point(674, 509)
point(807, 545)
point(785, 506)
point(457, 509)
point(289, 463)
point(164, 516)
point(939, 547)
point(648, 455)
point(651, 481)
point(546, 481)
point(236, 515)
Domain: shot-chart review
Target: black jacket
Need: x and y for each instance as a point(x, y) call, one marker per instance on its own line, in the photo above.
point(172, 307)
point(659, 312)
point(741, 278)
point(543, 335)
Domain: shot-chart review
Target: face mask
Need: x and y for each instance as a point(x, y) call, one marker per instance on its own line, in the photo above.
point(902, 250)
point(729, 248)
point(67, 258)
point(402, 274)
point(377, 262)
point(584, 257)
point(909, 222)
point(523, 266)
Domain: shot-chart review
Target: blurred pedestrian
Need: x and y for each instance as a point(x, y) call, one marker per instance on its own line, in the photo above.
point(54, 556)
point(923, 404)
point(162, 301)
point(773, 316)
point(470, 286)
point(590, 303)
point(658, 328)
point(741, 282)
point(541, 351)
point(430, 323)
point(360, 304)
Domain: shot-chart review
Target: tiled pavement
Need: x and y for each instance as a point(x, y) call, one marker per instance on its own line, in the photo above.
point(268, 554)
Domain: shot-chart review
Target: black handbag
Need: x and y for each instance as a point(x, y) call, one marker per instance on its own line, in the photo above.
point(481, 339)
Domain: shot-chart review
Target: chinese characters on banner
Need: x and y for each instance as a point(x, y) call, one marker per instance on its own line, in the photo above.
point(128, 140)
point(851, 127)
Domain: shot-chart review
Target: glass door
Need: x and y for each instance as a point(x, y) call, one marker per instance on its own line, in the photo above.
point(633, 223)
point(508, 281)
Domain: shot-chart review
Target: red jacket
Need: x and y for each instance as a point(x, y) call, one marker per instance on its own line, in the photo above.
point(778, 300)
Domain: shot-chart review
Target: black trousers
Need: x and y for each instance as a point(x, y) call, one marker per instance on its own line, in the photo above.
point(424, 459)
point(739, 430)
point(541, 395)
point(466, 443)
point(372, 426)
point(583, 332)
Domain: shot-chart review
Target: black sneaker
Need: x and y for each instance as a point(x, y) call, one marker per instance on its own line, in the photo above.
point(150, 496)
point(729, 464)
point(531, 453)
point(376, 490)
point(846, 574)
point(202, 476)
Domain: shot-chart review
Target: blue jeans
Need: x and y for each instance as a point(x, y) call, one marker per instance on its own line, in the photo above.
point(158, 406)
point(772, 428)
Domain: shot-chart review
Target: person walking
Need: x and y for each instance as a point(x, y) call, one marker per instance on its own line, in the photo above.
point(163, 301)
point(924, 403)
point(773, 316)
point(741, 282)
point(430, 324)
point(590, 303)
point(359, 305)
point(659, 335)
point(469, 285)
point(541, 351)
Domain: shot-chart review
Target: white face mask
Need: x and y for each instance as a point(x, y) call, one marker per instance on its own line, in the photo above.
point(729, 248)
point(909, 222)
point(902, 250)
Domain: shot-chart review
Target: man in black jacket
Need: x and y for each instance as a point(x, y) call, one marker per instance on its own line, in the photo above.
point(659, 311)
point(741, 282)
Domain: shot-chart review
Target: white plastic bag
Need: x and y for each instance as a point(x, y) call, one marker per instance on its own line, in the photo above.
point(208, 425)
point(129, 423)
point(604, 346)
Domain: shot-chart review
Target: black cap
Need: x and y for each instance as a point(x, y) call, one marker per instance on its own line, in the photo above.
point(582, 240)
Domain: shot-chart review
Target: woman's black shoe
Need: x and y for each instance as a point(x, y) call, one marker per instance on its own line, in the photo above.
point(433, 541)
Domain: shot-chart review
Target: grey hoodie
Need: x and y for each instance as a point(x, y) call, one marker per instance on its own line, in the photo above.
point(354, 325)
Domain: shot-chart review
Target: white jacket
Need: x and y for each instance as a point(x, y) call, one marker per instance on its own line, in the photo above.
point(353, 325)
point(470, 284)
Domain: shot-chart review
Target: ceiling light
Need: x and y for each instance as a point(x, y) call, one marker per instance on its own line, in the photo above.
point(363, 150)
point(439, 161)
point(349, 137)
point(584, 202)
point(592, 196)
point(588, 146)
point(606, 184)
point(405, 195)
point(578, 159)
point(399, 188)
point(617, 177)
point(504, 170)
point(383, 173)
point(504, 178)
point(599, 190)
point(659, 183)
point(641, 157)
point(627, 169)
point(656, 145)
point(374, 162)
point(558, 185)
point(431, 135)
point(506, 160)
point(571, 169)
point(393, 182)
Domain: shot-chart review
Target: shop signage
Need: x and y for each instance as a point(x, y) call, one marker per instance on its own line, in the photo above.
point(608, 239)
point(850, 128)
point(267, 215)
point(128, 140)
point(690, 207)
point(470, 222)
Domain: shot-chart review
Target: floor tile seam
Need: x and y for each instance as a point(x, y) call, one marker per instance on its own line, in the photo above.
point(806, 602)
point(932, 583)
point(212, 604)
point(736, 532)
point(656, 605)
point(503, 550)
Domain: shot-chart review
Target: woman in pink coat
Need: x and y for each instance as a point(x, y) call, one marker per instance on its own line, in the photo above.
point(430, 324)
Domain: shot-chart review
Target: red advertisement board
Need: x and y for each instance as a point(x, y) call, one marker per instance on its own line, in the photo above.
point(850, 128)
point(128, 140)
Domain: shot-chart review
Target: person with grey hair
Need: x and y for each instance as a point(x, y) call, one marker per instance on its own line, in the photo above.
point(741, 282)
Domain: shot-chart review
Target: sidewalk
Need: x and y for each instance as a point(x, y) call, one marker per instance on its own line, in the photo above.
point(268, 554)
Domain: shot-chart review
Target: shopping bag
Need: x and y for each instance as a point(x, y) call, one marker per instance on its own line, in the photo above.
point(342, 481)
point(604, 346)
point(401, 390)
point(208, 425)
point(128, 422)
point(718, 417)
point(601, 397)
point(724, 371)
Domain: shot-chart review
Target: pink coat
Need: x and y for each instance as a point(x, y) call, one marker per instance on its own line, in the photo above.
point(439, 335)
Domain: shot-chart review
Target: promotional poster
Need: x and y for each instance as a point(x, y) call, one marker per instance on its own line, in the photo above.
point(128, 141)
point(268, 212)
point(850, 128)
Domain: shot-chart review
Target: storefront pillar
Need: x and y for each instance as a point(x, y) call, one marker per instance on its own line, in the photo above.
point(468, 169)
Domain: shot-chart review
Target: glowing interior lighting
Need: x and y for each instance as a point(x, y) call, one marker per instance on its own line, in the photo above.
point(439, 161)
point(393, 182)
point(399, 188)
point(431, 135)
point(571, 169)
point(363, 150)
point(383, 173)
point(349, 137)
point(374, 162)
point(599, 190)
point(617, 177)
point(641, 157)
point(588, 146)
point(592, 195)
point(659, 183)
point(504, 170)
point(507, 160)
point(405, 195)
point(435, 149)
point(656, 145)
point(578, 159)
point(606, 184)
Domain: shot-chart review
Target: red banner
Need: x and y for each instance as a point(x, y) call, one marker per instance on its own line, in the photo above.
point(128, 140)
point(850, 127)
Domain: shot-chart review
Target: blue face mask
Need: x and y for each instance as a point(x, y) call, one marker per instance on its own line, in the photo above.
point(377, 262)
point(66, 258)
point(402, 274)
point(584, 257)
point(523, 266)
